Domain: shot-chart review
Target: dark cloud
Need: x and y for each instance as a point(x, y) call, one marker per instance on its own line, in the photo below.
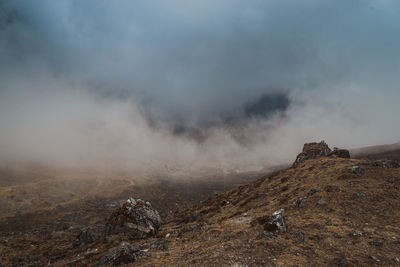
point(243, 74)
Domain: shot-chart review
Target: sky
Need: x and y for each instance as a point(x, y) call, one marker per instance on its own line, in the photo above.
point(228, 84)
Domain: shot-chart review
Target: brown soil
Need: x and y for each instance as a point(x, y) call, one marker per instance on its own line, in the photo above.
point(348, 219)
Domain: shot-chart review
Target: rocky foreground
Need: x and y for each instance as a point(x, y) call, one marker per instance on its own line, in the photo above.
point(325, 210)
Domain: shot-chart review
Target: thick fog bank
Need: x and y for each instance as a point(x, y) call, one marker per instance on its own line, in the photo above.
point(193, 84)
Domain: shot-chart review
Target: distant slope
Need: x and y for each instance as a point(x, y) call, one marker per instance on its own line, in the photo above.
point(375, 151)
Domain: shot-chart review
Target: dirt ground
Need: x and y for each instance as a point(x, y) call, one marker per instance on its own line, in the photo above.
point(347, 219)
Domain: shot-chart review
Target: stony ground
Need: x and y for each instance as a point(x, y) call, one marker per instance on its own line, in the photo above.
point(37, 227)
point(335, 216)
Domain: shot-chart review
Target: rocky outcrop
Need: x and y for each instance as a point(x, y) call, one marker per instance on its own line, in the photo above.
point(312, 151)
point(317, 150)
point(123, 254)
point(134, 220)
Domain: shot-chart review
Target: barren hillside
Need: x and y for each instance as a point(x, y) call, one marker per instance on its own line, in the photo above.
point(338, 212)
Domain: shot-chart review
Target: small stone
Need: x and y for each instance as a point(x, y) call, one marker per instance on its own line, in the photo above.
point(123, 254)
point(301, 202)
point(321, 202)
point(374, 259)
point(355, 170)
point(397, 260)
point(160, 244)
point(376, 243)
point(358, 195)
point(340, 261)
point(266, 234)
point(224, 202)
point(299, 236)
point(356, 233)
point(313, 191)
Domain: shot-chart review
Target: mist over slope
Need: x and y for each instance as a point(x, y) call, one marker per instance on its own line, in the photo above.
point(227, 84)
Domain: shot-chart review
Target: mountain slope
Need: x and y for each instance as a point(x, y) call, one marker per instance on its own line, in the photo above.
point(339, 212)
point(348, 219)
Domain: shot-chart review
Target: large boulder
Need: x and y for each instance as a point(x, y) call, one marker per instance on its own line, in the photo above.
point(276, 222)
point(134, 220)
point(312, 151)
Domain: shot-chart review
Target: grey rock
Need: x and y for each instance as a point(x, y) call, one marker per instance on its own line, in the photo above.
point(301, 202)
point(313, 191)
point(397, 260)
point(321, 202)
point(299, 236)
point(356, 233)
point(355, 170)
point(339, 153)
point(376, 243)
point(340, 262)
point(160, 244)
point(266, 234)
point(374, 259)
point(276, 222)
point(312, 151)
point(224, 202)
point(123, 254)
point(358, 195)
point(386, 164)
point(135, 219)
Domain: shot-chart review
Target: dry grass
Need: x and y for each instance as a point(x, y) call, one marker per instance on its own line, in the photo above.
point(358, 218)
